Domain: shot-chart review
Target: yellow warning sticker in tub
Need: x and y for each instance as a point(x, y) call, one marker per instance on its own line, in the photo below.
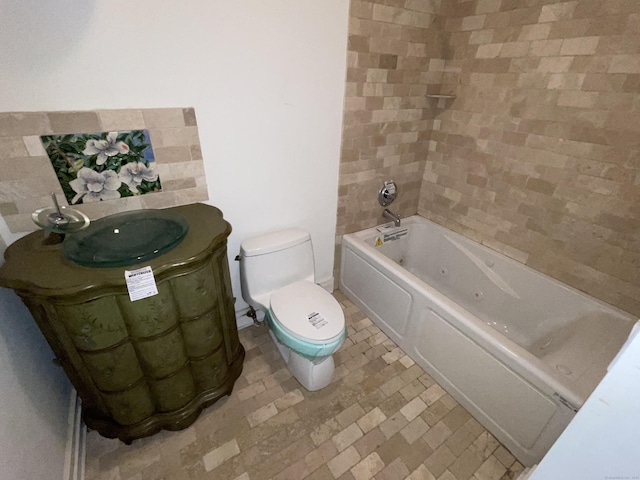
point(379, 242)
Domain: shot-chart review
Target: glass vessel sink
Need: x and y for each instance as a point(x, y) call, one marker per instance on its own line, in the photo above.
point(126, 238)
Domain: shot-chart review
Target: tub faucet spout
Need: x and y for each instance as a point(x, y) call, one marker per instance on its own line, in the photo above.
point(389, 214)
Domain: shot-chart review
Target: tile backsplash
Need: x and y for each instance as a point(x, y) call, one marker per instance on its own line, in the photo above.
point(27, 177)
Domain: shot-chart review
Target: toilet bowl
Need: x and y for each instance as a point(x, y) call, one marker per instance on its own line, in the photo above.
point(305, 321)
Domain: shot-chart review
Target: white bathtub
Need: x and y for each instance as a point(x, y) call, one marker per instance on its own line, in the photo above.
point(520, 350)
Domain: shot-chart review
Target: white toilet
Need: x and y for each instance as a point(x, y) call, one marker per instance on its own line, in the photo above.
point(305, 321)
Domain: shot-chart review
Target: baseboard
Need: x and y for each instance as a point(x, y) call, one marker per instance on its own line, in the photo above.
point(76, 440)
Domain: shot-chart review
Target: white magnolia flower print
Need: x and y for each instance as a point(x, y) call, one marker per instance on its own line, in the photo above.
point(105, 148)
point(133, 173)
point(91, 186)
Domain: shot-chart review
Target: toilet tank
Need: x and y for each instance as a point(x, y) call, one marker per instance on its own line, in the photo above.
point(273, 260)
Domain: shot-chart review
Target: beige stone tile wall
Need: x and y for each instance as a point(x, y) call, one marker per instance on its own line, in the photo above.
point(539, 155)
point(395, 58)
point(27, 177)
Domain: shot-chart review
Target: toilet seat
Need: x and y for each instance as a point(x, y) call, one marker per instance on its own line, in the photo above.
point(308, 312)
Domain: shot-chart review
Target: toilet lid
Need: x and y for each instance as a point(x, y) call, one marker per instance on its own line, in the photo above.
point(308, 312)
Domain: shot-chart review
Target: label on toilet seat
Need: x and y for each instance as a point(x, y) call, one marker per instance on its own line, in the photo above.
point(317, 320)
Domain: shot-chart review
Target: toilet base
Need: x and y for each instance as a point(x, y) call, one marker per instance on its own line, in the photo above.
point(311, 375)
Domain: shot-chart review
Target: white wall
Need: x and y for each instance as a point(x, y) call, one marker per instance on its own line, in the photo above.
point(266, 78)
point(34, 395)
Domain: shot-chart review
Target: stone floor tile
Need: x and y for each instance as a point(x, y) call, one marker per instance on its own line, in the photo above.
point(276, 378)
point(392, 404)
point(513, 472)
point(269, 395)
point(370, 442)
point(294, 472)
point(357, 361)
point(372, 400)
point(414, 408)
point(456, 418)
point(407, 361)
point(220, 455)
point(262, 414)
point(395, 470)
point(421, 473)
point(432, 394)
point(491, 469)
point(440, 460)
point(466, 465)
point(449, 401)
point(388, 417)
point(289, 399)
point(347, 437)
point(460, 440)
point(392, 386)
point(323, 473)
point(371, 420)
point(504, 455)
point(321, 455)
point(447, 475)
point(434, 413)
point(361, 335)
point(324, 432)
point(416, 429)
point(437, 434)
point(411, 373)
point(393, 448)
point(350, 415)
point(393, 425)
point(367, 467)
point(485, 444)
point(412, 390)
point(343, 462)
point(415, 455)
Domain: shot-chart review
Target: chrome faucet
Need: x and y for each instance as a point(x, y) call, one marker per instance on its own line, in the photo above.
point(389, 214)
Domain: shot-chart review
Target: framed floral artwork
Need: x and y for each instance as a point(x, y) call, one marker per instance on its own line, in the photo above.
point(92, 167)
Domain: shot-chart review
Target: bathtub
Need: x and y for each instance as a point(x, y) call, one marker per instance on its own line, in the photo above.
point(518, 349)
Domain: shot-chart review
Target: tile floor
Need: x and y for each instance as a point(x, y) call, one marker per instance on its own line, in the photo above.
point(382, 418)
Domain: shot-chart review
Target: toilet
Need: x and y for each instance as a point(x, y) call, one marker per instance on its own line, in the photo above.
point(277, 276)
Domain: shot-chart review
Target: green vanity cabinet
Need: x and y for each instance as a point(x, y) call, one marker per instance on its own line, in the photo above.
point(143, 366)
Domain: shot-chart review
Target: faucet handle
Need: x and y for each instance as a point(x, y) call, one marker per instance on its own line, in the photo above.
point(387, 193)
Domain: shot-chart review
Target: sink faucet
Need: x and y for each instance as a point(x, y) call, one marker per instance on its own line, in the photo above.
point(389, 214)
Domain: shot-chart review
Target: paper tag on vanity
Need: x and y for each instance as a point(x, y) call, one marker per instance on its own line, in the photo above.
point(140, 283)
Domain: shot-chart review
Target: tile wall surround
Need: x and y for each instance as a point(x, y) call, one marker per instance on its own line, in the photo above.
point(27, 177)
point(538, 157)
point(395, 57)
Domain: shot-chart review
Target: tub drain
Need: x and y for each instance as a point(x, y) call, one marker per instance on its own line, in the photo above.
point(563, 369)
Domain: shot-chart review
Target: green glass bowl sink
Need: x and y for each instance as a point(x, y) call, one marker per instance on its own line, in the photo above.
point(126, 238)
